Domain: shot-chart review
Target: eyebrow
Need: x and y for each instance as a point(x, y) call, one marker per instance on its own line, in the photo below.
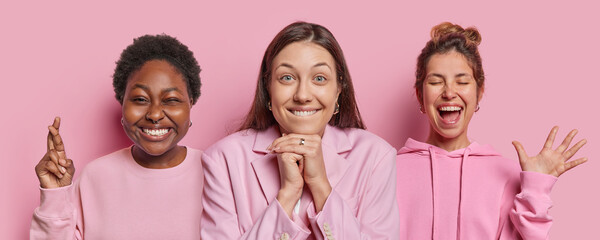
point(137, 85)
point(287, 65)
point(435, 75)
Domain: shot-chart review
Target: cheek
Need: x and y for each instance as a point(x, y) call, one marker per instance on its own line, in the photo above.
point(429, 96)
point(132, 114)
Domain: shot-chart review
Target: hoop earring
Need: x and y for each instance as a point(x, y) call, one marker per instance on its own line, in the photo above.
point(477, 109)
point(337, 108)
point(269, 106)
point(122, 123)
point(191, 123)
point(421, 109)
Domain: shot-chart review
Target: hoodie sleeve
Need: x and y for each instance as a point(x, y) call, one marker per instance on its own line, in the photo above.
point(379, 218)
point(57, 215)
point(529, 215)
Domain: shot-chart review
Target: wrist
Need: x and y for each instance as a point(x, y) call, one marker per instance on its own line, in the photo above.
point(288, 199)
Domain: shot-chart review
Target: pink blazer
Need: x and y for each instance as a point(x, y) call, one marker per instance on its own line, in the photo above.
point(242, 181)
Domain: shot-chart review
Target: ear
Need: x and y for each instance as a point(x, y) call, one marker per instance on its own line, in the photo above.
point(339, 89)
point(419, 97)
point(480, 94)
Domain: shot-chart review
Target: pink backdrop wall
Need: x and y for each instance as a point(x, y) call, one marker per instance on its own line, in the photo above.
point(57, 58)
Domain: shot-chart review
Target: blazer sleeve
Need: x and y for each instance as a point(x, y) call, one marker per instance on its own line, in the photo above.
point(529, 215)
point(58, 216)
point(378, 214)
point(220, 219)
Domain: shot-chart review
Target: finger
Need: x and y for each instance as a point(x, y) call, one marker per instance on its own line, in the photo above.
point(56, 123)
point(567, 141)
point(551, 136)
point(291, 148)
point(54, 159)
point(520, 151)
point(53, 168)
point(70, 167)
point(569, 153)
point(56, 138)
point(286, 140)
point(572, 164)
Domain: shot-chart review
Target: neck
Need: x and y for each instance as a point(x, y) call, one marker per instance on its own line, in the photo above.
point(169, 159)
point(448, 144)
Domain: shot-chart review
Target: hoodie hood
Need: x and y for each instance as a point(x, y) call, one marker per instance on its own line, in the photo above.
point(474, 149)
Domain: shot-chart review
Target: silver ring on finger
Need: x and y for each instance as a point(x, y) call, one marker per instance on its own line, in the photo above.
point(301, 141)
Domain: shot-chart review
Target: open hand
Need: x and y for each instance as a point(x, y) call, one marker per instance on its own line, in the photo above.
point(551, 161)
point(55, 169)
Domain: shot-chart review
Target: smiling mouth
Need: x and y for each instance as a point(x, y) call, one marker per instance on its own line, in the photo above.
point(450, 114)
point(156, 132)
point(303, 113)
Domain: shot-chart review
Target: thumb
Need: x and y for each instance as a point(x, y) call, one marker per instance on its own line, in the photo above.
point(520, 151)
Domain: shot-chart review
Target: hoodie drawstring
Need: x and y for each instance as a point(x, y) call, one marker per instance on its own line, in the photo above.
point(460, 193)
point(433, 190)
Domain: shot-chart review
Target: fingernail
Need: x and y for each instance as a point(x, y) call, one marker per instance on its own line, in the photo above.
point(62, 162)
point(63, 169)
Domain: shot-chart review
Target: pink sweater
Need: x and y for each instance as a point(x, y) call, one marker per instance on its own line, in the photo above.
point(471, 193)
point(115, 198)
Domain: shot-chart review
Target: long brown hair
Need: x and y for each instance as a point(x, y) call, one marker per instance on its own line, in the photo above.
point(259, 117)
point(446, 37)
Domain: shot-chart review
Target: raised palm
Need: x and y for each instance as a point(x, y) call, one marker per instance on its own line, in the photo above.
point(551, 161)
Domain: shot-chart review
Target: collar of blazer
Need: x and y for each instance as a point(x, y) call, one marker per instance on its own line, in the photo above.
point(334, 142)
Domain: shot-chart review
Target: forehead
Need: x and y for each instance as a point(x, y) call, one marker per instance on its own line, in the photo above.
point(303, 53)
point(448, 63)
point(157, 73)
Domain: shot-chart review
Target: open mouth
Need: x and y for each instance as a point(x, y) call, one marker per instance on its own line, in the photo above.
point(302, 113)
point(156, 132)
point(450, 114)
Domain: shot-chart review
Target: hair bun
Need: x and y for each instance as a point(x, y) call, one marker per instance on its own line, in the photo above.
point(446, 28)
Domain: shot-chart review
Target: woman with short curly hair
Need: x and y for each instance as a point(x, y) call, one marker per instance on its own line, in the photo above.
point(151, 190)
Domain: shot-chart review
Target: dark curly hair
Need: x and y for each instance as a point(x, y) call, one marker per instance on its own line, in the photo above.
point(157, 47)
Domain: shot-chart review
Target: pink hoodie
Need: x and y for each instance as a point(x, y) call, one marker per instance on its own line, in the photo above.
point(470, 193)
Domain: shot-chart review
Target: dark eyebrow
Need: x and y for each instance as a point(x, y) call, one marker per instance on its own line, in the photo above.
point(137, 85)
point(171, 89)
point(462, 75)
point(144, 87)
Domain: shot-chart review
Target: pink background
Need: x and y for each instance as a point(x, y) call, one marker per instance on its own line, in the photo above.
point(57, 58)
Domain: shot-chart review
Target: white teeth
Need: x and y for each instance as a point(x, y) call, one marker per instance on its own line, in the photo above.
point(450, 108)
point(304, 113)
point(156, 132)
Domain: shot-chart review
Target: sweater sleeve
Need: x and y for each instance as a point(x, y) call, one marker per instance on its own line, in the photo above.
point(378, 214)
point(57, 215)
point(220, 218)
point(529, 216)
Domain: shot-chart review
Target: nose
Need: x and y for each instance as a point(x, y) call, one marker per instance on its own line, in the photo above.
point(449, 92)
point(303, 92)
point(155, 113)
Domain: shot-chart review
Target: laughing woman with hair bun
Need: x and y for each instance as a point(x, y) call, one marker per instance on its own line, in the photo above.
point(151, 190)
point(452, 188)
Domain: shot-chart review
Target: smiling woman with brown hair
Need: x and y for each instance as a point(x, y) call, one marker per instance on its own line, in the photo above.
point(301, 166)
point(151, 190)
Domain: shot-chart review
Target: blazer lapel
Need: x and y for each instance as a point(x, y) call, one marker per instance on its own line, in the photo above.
point(334, 142)
point(265, 166)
